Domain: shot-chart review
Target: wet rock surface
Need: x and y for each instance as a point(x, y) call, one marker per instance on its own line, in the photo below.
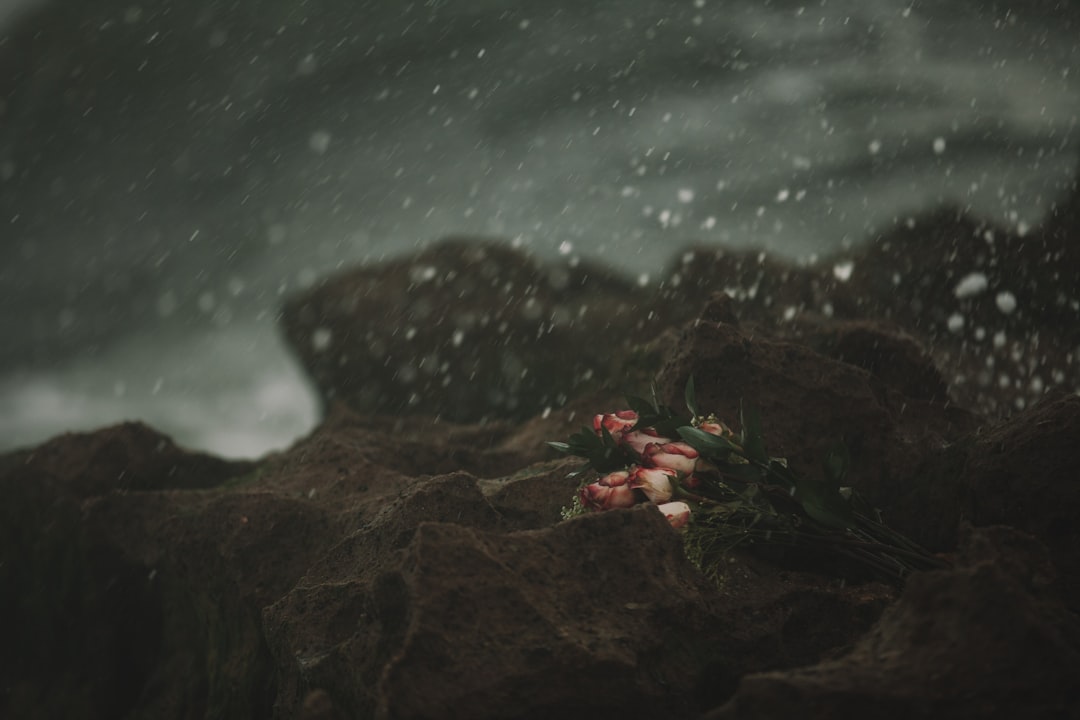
point(811, 402)
point(989, 638)
point(468, 331)
point(408, 559)
point(997, 312)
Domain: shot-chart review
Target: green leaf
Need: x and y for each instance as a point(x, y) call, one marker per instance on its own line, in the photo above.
point(585, 438)
point(641, 406)
point(780, 473)
point(668, 427)
point(822, 501)
point(752, 437)
point(743, 473)
point(560, 446)
point(836, 464)
point(712, 446)
point(689, 393)
point(656, 400)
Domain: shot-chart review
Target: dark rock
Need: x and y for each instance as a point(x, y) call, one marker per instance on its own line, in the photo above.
point(332, 577)
point(1024, 473)
point(1016, 335)
point(467, 331)
point(397, 564)
point(998, 312)
point(890, 354)
point(545, 625)
point(1063, 218)
point(809, 402)
point(597, 617)
point(85, 623)
point(130, 457)
point(720, 309)
point(319, 706)
point(987, 639)
point(762, 287)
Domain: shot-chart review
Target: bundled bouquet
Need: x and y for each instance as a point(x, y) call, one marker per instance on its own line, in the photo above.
point(722, 488)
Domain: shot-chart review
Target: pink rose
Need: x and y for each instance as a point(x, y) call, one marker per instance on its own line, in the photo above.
point(638, 439)
point(654, 482)
point(677, 513)
point(677, 456)
point(715, 427)
point(616, 423)
point(611, 491)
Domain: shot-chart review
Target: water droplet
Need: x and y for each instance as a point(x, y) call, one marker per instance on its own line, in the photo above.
point(971, 285)
point(320, 339)
point(319, 142)
point(842, 270)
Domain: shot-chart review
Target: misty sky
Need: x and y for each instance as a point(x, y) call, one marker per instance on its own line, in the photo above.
point(169, 171)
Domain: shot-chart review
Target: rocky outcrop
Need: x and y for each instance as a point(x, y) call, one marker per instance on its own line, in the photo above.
point(987, 639)
point(340, 576)
point(811, 402)
point(1024, 474)
point(409, 559)
point(998, 312)
point(467, 331)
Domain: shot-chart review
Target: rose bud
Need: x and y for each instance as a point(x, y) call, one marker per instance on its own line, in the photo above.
point(715, 427)
point(611, 491)
point(638, 439)
point(605, 497)
point(616, 423)
point(615, 479)
point(678, 456)
point(677, 513)
point(654, 482)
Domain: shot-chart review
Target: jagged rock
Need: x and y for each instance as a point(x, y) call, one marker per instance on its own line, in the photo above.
point(327, 579)
point(545, 624)
point(467, 331)
point(131, 457)
point(987, 639)
point(397, 564)
point(1024, 473)
point(809, 402)
point(87, 623)
point(997, 311)
point(319, 706)
point(890, 354)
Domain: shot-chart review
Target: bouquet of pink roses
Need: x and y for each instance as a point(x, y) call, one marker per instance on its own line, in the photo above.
point(722, 488)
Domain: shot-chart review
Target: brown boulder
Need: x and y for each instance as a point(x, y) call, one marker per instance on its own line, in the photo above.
point(326, 581)
point(468, 331)
point(888, 353)
point(85, 624)
point(987, 639)
point(809, 402)
point(397, 564)
point(1026, 473)
point(997, 311)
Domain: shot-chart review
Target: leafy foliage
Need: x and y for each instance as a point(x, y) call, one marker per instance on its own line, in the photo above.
point(740, 494)
point(601, 451)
